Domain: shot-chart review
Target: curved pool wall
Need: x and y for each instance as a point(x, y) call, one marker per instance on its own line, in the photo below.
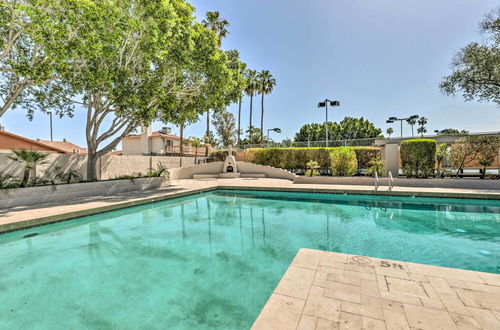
point(211, 260)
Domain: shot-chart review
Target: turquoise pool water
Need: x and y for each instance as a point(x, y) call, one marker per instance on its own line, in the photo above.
point(211, 260)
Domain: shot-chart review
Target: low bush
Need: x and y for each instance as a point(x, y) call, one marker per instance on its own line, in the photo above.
point(219, 155)
point(344, 162)
point(297, 158)
point(418, 157)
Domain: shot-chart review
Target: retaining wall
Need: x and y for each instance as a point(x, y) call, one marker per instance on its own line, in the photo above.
point(108, 167)
point(71, 192)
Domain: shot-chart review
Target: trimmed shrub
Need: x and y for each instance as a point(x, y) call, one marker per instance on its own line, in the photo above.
point(344, 162)
point(418, 157)
point(297, 158)
point(219, 156)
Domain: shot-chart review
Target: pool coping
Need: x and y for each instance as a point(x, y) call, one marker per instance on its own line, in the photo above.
point(63, 216)
point(328, 290)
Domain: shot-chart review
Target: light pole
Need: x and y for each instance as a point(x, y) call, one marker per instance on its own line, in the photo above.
point(277, 130)
point(50, 114)
point(324, 104)
point(393, 119)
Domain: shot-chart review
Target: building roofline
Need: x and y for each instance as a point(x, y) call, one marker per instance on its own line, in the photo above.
point(33, 141)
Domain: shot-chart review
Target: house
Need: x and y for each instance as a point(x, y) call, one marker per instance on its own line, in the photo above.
point(158, 143)
point(69, 147)
point(10, 141)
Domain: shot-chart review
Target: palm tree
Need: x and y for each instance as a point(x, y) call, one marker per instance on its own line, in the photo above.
point(196, 143)
point(412, 122)
point(214, 22)
point(389, 131)
point(252, 87)
point(421, 122)
point(265, 87)
point(31, 158)
point(217, 24)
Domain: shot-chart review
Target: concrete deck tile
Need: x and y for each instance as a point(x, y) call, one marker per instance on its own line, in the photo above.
point(372, 324)
point(395, 320)
point(324, 324)
point(307, 322)
point(405, 287)
point(428, 318)
point(480, 299)
point(296, 282)
point(485, 318)
point(350, 321)
point(382, 303)
point(307, 258)
point(326, 308)
point(342, 291)
point(361, 309)
point(280, 312)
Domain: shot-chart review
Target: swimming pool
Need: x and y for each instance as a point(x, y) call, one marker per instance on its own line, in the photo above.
point(212, 260)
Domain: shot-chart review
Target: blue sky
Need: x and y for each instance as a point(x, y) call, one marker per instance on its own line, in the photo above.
point(378, 58)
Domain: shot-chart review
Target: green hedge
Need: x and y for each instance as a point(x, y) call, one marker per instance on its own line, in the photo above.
point(219, 155)
point(418, 157)
point(297, 158)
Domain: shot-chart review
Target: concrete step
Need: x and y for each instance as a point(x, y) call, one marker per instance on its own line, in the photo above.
point(229, 175)
point(253, 175)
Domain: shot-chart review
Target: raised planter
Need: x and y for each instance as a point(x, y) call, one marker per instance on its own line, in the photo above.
point(451, 183)
point(71, 192)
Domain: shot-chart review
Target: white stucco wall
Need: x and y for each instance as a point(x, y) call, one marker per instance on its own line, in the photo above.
point(107, 168)
point(131, 147)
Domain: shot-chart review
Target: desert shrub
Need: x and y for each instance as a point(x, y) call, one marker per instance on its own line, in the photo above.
point(312, 166)
point(418, 157)
point(376, 165)
point(159, 171)
point(297, 158)
point(219, 156)
point(344, 162)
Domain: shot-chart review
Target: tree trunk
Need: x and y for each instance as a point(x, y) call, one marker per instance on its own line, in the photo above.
point(262, 121)
point(26, 176)
point(251, 105)
point(208, 133)
point(239, 122)
point(91, 166)
point(181, 148)
point(195, 155)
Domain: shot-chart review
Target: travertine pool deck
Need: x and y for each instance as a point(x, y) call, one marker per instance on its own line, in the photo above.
point(16, 218)
point(326, 290)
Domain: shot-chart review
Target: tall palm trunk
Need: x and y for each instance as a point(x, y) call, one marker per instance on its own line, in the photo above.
point(262, 120)
point(181, 147)
point(239, 121)
point(251, 106)
point(208, 133)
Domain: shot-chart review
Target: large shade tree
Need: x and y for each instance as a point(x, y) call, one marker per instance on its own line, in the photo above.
point(476, 67)
point(266, 83)
point(347, 129)
point(37, 38)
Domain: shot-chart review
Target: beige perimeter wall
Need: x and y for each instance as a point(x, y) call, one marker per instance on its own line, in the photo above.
point(108, 167)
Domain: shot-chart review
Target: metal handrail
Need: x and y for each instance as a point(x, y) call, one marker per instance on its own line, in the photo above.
point(391, 181)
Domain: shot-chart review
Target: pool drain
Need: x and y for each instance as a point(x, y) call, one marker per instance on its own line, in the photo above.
point(30, 235)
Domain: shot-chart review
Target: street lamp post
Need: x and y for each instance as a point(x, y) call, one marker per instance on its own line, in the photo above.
point(50, 114)
point(324, 104)
point(277, 130)
point(393, 119)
